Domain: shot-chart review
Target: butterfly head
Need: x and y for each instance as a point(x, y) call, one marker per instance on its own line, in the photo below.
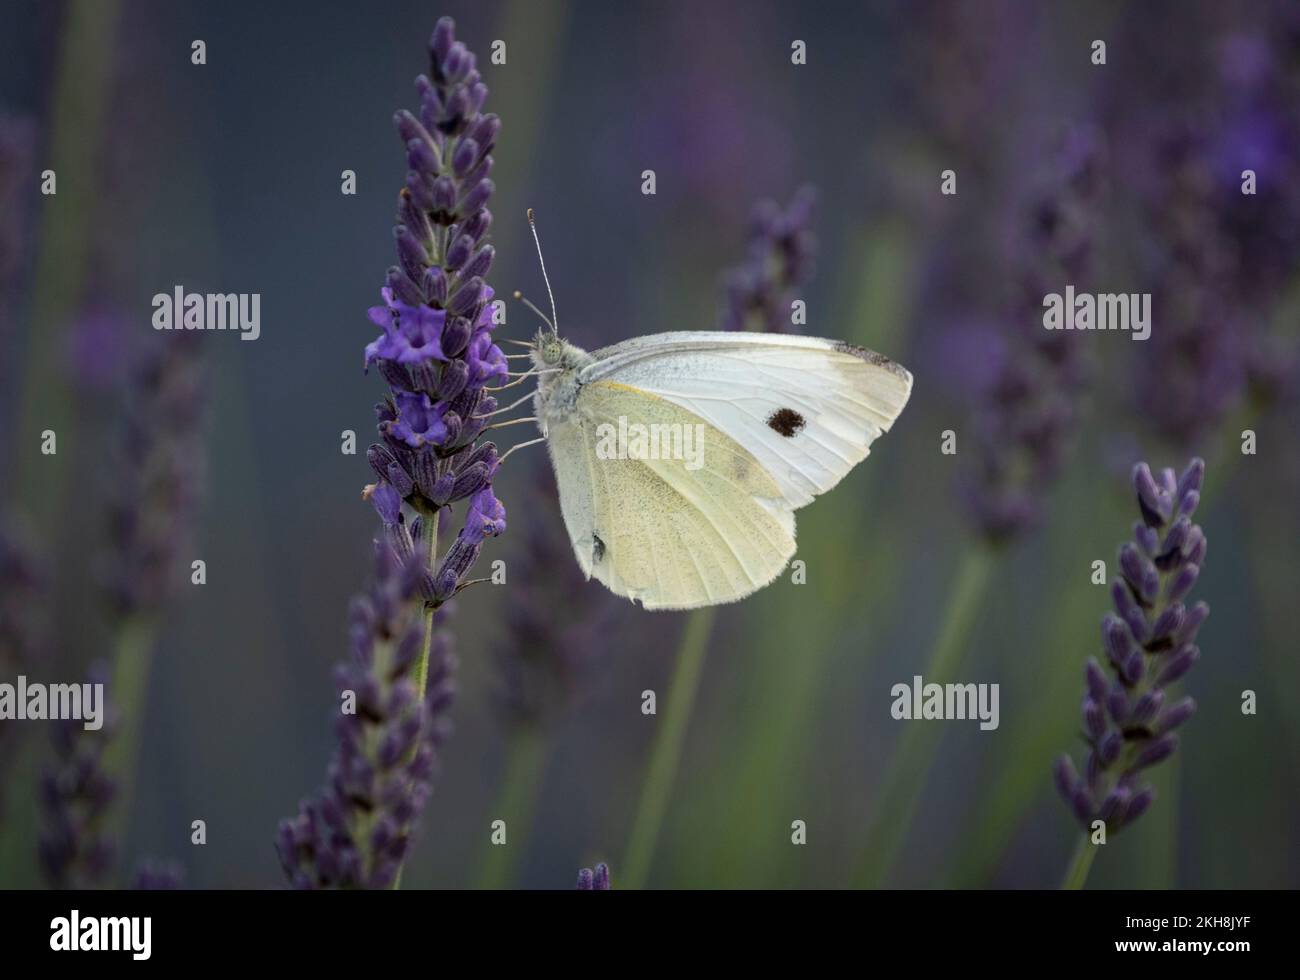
point(549, 348)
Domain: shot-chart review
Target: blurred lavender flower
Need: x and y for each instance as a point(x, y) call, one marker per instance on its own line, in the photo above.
point(1222, 261)
point(759, 292)
point(17, 148)
point(157, 876)
point(1150, 642)
point(1258, 129)
point(1031, 406)
point(436, 350)
point(158, 470)
point(24, 581)
point(594, 879)
point(553, 621)
point(357, 832)
point(1195, 369)
point(75, 849)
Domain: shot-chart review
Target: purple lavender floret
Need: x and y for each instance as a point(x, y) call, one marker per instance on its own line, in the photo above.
point(1129, 716)
point(594, 879)
point(436, 350)
point(1196, 369)
point(76, 792)
point(25, 581)
point(158, 467)
point(158, 876)
point(358, 831)
point(1030, 409)
point(759, 292)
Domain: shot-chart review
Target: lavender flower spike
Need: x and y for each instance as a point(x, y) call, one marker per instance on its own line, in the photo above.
point(1030, 411)
point(759, 292)
point(437, 355)
point(594, 879)
point(1150, 641)
point(75, 848)
point(436, 350)
point(358, 831)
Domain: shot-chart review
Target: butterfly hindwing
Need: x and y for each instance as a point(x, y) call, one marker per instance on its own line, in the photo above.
point(703, 525)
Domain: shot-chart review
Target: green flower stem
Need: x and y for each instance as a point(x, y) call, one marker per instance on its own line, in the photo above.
point(431, 563)
point(128, 694)
point(35, 481)
point(422, 665)
point(772, 750)
point(905, 776)
point(81, 89)
point(515, 804)
point(1077, 873)
point(666, 753)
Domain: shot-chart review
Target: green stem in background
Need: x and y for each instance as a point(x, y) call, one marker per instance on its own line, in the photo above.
point(905, 776)
point(81, 89)
point(1156, 863)
point(129, 686)
point(1077, 873)
point(666, 753)
point(776, 739)
point(516, 803)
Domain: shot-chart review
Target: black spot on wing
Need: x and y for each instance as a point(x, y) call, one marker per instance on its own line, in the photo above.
point(786, 422)
point(597, 548)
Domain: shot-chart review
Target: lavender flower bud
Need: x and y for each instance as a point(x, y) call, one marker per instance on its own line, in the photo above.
point(1139, 805)
point(480, 262)
point(1117, 704)
point(1114, 804)
point(1152, 503)
point(1117, 640)
point(1109, 747)
point(1096, 681)
point(465, 157)
point(1156, 751)
point(1094, 720)
point(459, 252)
point(1146, 707)
point(423, 156)
point(1178, 665)
point(1192, 621)
point(1175, 715)
point(1168, 622)
point(1067, 778)
point(435, 291)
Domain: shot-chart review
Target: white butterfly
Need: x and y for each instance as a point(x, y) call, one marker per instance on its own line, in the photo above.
point(757, 426)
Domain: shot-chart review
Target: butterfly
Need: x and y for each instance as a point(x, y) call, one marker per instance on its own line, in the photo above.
point(681, 457)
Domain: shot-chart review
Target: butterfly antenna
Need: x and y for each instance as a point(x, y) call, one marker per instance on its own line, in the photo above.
point(532, 226)
point(529, 303)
